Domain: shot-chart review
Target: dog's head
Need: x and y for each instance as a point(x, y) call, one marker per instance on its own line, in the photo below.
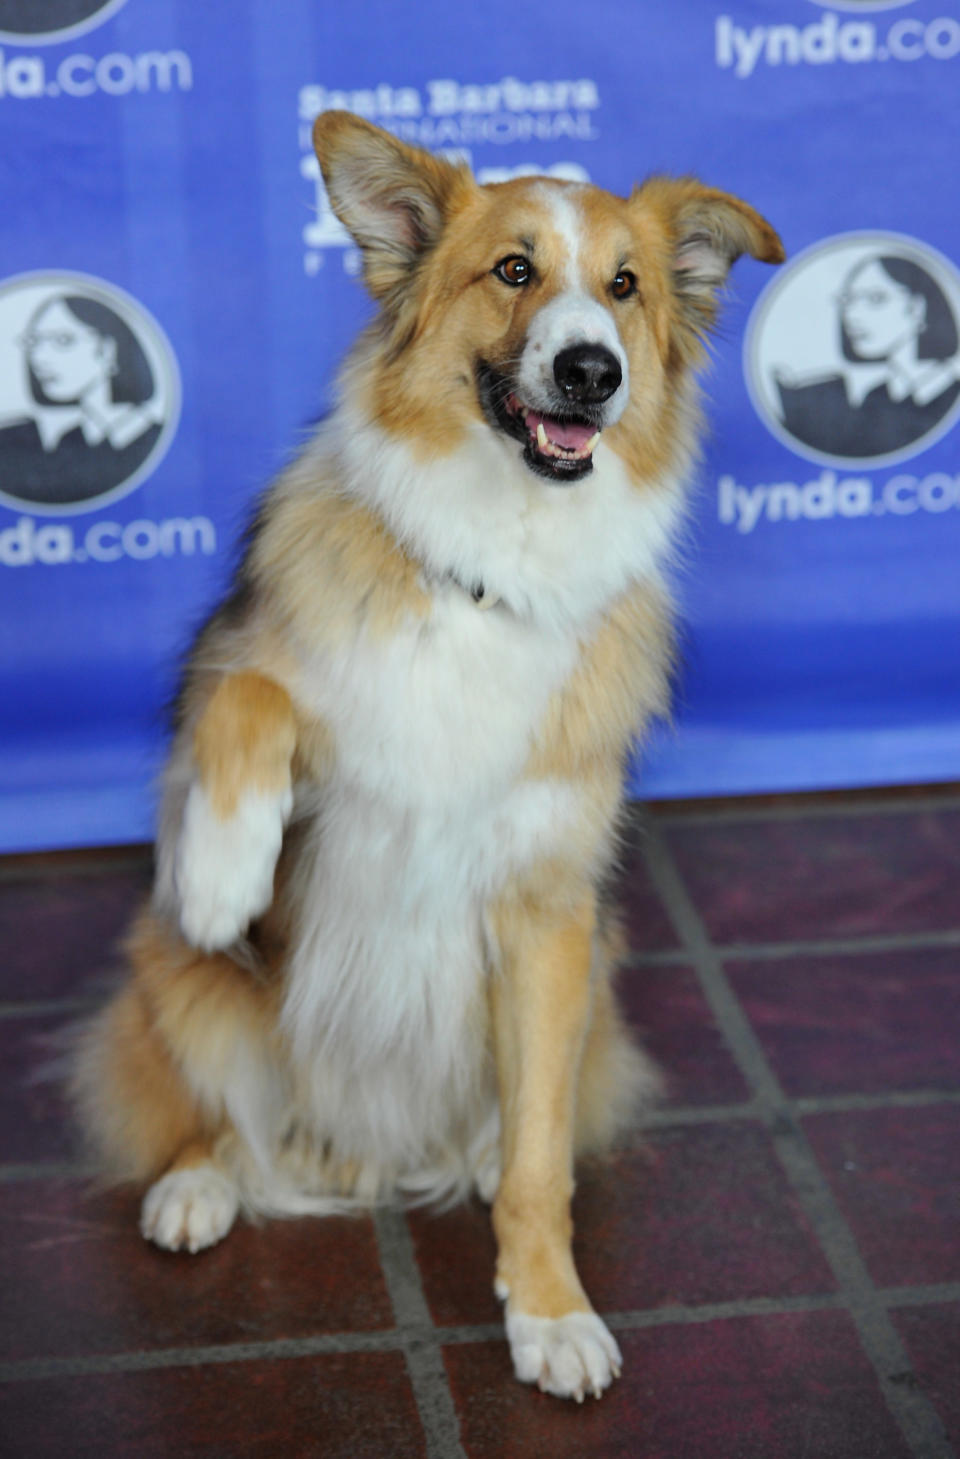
point(551, 311)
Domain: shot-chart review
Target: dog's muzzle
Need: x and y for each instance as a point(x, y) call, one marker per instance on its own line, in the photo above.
point(559, 435)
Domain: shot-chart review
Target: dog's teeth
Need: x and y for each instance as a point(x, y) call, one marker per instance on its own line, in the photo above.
point(541, 436)
point(591, 443)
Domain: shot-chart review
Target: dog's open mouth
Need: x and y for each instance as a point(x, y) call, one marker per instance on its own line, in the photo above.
point(559, 447)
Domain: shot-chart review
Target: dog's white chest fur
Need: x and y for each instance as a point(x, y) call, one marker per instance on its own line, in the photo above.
point(429, 813)
point(441, 713)
point(427, 816)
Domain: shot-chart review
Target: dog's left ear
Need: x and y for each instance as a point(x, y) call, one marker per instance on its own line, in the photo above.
point(394, 199)
point(707, 231)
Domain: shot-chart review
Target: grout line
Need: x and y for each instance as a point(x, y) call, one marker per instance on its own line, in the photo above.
point(12, 1173)
point(839, 810)
point(32, 1369)
point(428, 1375)
point(814, 1104)
point(914, 1413)
point(395, 1339)
point(46, 1007)
point(842, 946)
point(391, 1340)
point(666, 1118)
point(904, 1099)
point(16, 870)
point(820, 947)
point(926, 1296)
point(680, 1315)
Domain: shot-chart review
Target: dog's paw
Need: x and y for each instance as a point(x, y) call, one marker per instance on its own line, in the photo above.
point(189, 1209)
point(224, 868)
point(568, 1356)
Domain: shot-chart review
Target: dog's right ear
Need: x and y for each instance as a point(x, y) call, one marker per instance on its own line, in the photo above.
point(394, 199)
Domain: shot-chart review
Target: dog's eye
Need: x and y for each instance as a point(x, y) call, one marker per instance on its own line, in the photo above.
point(624, 285)
point(515, 270)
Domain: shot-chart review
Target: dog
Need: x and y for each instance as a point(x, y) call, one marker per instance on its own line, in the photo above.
point(377, 960)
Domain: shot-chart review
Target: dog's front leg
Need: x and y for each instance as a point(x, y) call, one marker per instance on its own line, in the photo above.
point(236, 808)
point(540, 998)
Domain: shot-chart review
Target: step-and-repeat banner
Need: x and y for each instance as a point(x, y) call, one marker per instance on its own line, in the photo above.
point(175, 293)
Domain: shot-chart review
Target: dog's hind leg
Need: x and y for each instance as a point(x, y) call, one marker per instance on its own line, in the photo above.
point(193, 1205)
point(540, 1000)
point(175, 1076)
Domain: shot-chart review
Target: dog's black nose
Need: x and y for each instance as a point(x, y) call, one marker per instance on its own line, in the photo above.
point(587, 373)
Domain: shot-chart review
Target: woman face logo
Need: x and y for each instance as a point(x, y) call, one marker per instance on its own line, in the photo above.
point(852, 355)
point(877, 314)
point(66, 357)
point(89, 392)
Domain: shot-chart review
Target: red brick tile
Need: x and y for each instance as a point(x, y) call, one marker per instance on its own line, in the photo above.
point(344, 1406)
point(60, 932)
point(932, 1338)
point(774, 881)
point(702, 1214)
point(785, 1387)
point(699, 1215)
point(456, 1254)
point(665, 1006)
point(35, 1121)
point(865, 1024)
point(77, 1278)
point(896, 1175)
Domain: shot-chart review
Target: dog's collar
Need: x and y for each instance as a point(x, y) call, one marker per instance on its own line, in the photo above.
point(476, 591)
point(482, 598)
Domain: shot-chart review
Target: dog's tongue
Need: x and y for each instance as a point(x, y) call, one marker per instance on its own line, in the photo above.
point(566, 433)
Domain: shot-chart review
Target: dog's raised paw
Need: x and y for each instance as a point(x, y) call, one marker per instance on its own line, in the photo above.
point(188, 1210)
point(224, 867)
point(568, 1356)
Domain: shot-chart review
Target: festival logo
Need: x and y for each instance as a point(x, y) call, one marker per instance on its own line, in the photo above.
point(453, 118)
point(89, 392)
point(852, 354)
point(44, 22)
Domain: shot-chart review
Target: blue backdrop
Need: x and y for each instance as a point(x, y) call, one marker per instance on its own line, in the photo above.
point(174, 294)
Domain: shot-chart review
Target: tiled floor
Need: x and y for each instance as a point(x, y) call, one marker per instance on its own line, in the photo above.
point(778, 1250)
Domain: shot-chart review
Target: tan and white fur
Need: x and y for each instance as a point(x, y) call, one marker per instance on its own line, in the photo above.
point(377, 962)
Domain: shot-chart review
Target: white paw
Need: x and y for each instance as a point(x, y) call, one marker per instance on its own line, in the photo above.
point(224, 868)
point(189, 1209)
point(568, 1356)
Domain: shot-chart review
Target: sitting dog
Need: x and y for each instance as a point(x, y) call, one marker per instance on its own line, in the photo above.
point(376, 963)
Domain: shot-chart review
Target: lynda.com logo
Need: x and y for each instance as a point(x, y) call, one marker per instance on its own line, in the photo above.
point(852, 354)
point(45, 21)
point(89, 392)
